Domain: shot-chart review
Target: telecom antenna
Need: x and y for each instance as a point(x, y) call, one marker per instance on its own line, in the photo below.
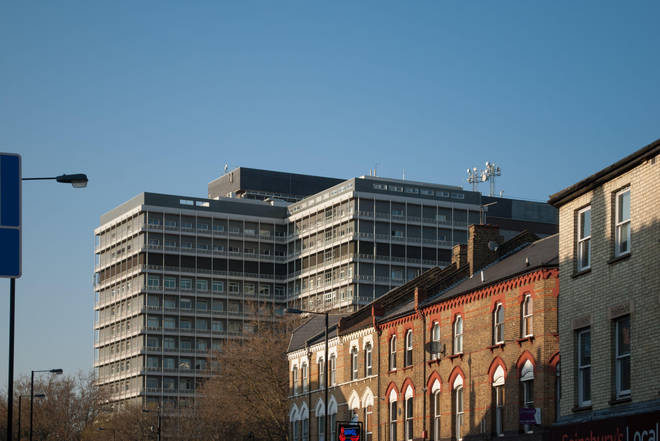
point(489, 173)
point(226, 167)
point(473, 177)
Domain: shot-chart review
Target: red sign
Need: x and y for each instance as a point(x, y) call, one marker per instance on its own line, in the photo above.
point(349, 431)
point(640, 427)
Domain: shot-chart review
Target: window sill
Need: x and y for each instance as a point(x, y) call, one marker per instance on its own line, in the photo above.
point(581, 273)
point(529, 338)
point(433, 361)
point(453, 356)
point(407, 368)
point(581, 408)
point(392, 371)
point(620, 400)
point(619, 258)
point(496, 346)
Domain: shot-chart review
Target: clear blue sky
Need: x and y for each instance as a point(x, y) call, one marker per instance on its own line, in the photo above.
point(158, 96)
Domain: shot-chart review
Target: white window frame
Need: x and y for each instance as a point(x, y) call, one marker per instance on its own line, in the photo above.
point(435, 338)
point(458, 335)
point(621, 357)
point(408, 355)
point(304, 376)
point(321, 367)
point(354, 363)
point(436, 415)
point(333, 370)
point(409, 415)
point(583, 242)
point(368, 360)
point(498, 324)
point(582, 369)
point(294, 378)
point(621, 224)
point(527, 384)
point(392, 360)
point(368, 414)
point(459, 411)
point(527, 318)
point(392, 415)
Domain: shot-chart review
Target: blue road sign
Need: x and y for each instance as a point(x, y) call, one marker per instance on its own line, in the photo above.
point(10, 215)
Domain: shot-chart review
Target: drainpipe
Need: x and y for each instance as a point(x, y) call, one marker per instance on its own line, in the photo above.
point(378, 399)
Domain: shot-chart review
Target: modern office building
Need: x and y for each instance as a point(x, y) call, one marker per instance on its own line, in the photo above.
point(178, 276)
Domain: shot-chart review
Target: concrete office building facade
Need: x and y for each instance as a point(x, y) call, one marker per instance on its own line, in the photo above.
point(176, 277)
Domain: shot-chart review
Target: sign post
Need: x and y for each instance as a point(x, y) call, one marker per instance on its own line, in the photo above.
point(10, 255)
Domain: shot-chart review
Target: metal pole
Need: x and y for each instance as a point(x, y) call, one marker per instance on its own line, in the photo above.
point(327, 362)
point(159, 422)
point(10, 375)
point(19, 416)
point(31, 401)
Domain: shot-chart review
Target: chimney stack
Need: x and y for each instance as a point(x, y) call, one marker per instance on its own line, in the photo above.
point(459, 255)
point(483, 241)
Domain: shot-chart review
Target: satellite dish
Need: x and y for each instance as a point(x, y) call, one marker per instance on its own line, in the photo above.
point(492, 245)
point(226, 167)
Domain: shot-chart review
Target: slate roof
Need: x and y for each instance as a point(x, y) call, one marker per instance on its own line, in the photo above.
point(312, 331)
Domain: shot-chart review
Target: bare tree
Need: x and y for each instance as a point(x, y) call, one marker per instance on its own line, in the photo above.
point(248, 400)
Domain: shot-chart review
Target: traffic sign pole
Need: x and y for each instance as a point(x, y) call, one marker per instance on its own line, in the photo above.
point(10, 381)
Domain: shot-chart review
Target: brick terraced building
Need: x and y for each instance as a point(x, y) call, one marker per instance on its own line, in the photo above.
point(462, 352)
point(609, 260)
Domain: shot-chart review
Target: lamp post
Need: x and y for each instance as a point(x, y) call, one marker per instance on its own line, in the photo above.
point(326, 361)
point(114, 432)
point(20, 407)
point(77, 180)
point(52, 371)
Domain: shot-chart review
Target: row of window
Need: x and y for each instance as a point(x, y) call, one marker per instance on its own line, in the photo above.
point(526, 319)
point(621, 355)
point(621, 229)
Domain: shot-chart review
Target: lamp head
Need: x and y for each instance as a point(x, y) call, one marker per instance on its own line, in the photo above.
point(78, 180)
point(56, 371)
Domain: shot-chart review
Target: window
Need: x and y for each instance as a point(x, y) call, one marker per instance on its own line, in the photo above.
point(368, 369)
point(527, 385)
point(435, 402)
point(498, 400)
point(154, 282)
point(584, 239)
point(527, 315)
point(622, 356)
point(354, 363)
point(584, 367)
point(320, 422)
point(294, 379)
point(305, 377)
point(321, 367)
point(435, 341)
point(333, 370)
point(408, 356)
point(458, 335)
point(393, 411)
point(186, 284)
point(202, 285)
point(368, 412)
point(409, 415)
point(170, 283)
point(622, 225)
point(498, 324)
point(333, 423)
point(393, 353)
point(458, 408)
point(218, 286)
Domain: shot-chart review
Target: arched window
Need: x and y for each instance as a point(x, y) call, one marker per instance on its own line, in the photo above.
point(293, 423)
point(498, 324)
point(320, 420)
point(527, 386)
point(527, 316)
point(321, 368)
point(458, 335)
point(409, 414)
point(458, 408)
point(435, 341)
point(435, 411)
point(354, 363)
point(368, 405)
point(393, 353)
point(408, 356)
point(294, 379)
point(392, 416)
point(332, 416)
point(333, 370)
point(304, 424)
point(368, 362)
point(498, 401)
point(305, 377)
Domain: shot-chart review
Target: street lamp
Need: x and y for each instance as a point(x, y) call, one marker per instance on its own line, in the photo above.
point(21, 407)
point(52, 371)
point(77, 180)
point(326, 361)
point(114, 432)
